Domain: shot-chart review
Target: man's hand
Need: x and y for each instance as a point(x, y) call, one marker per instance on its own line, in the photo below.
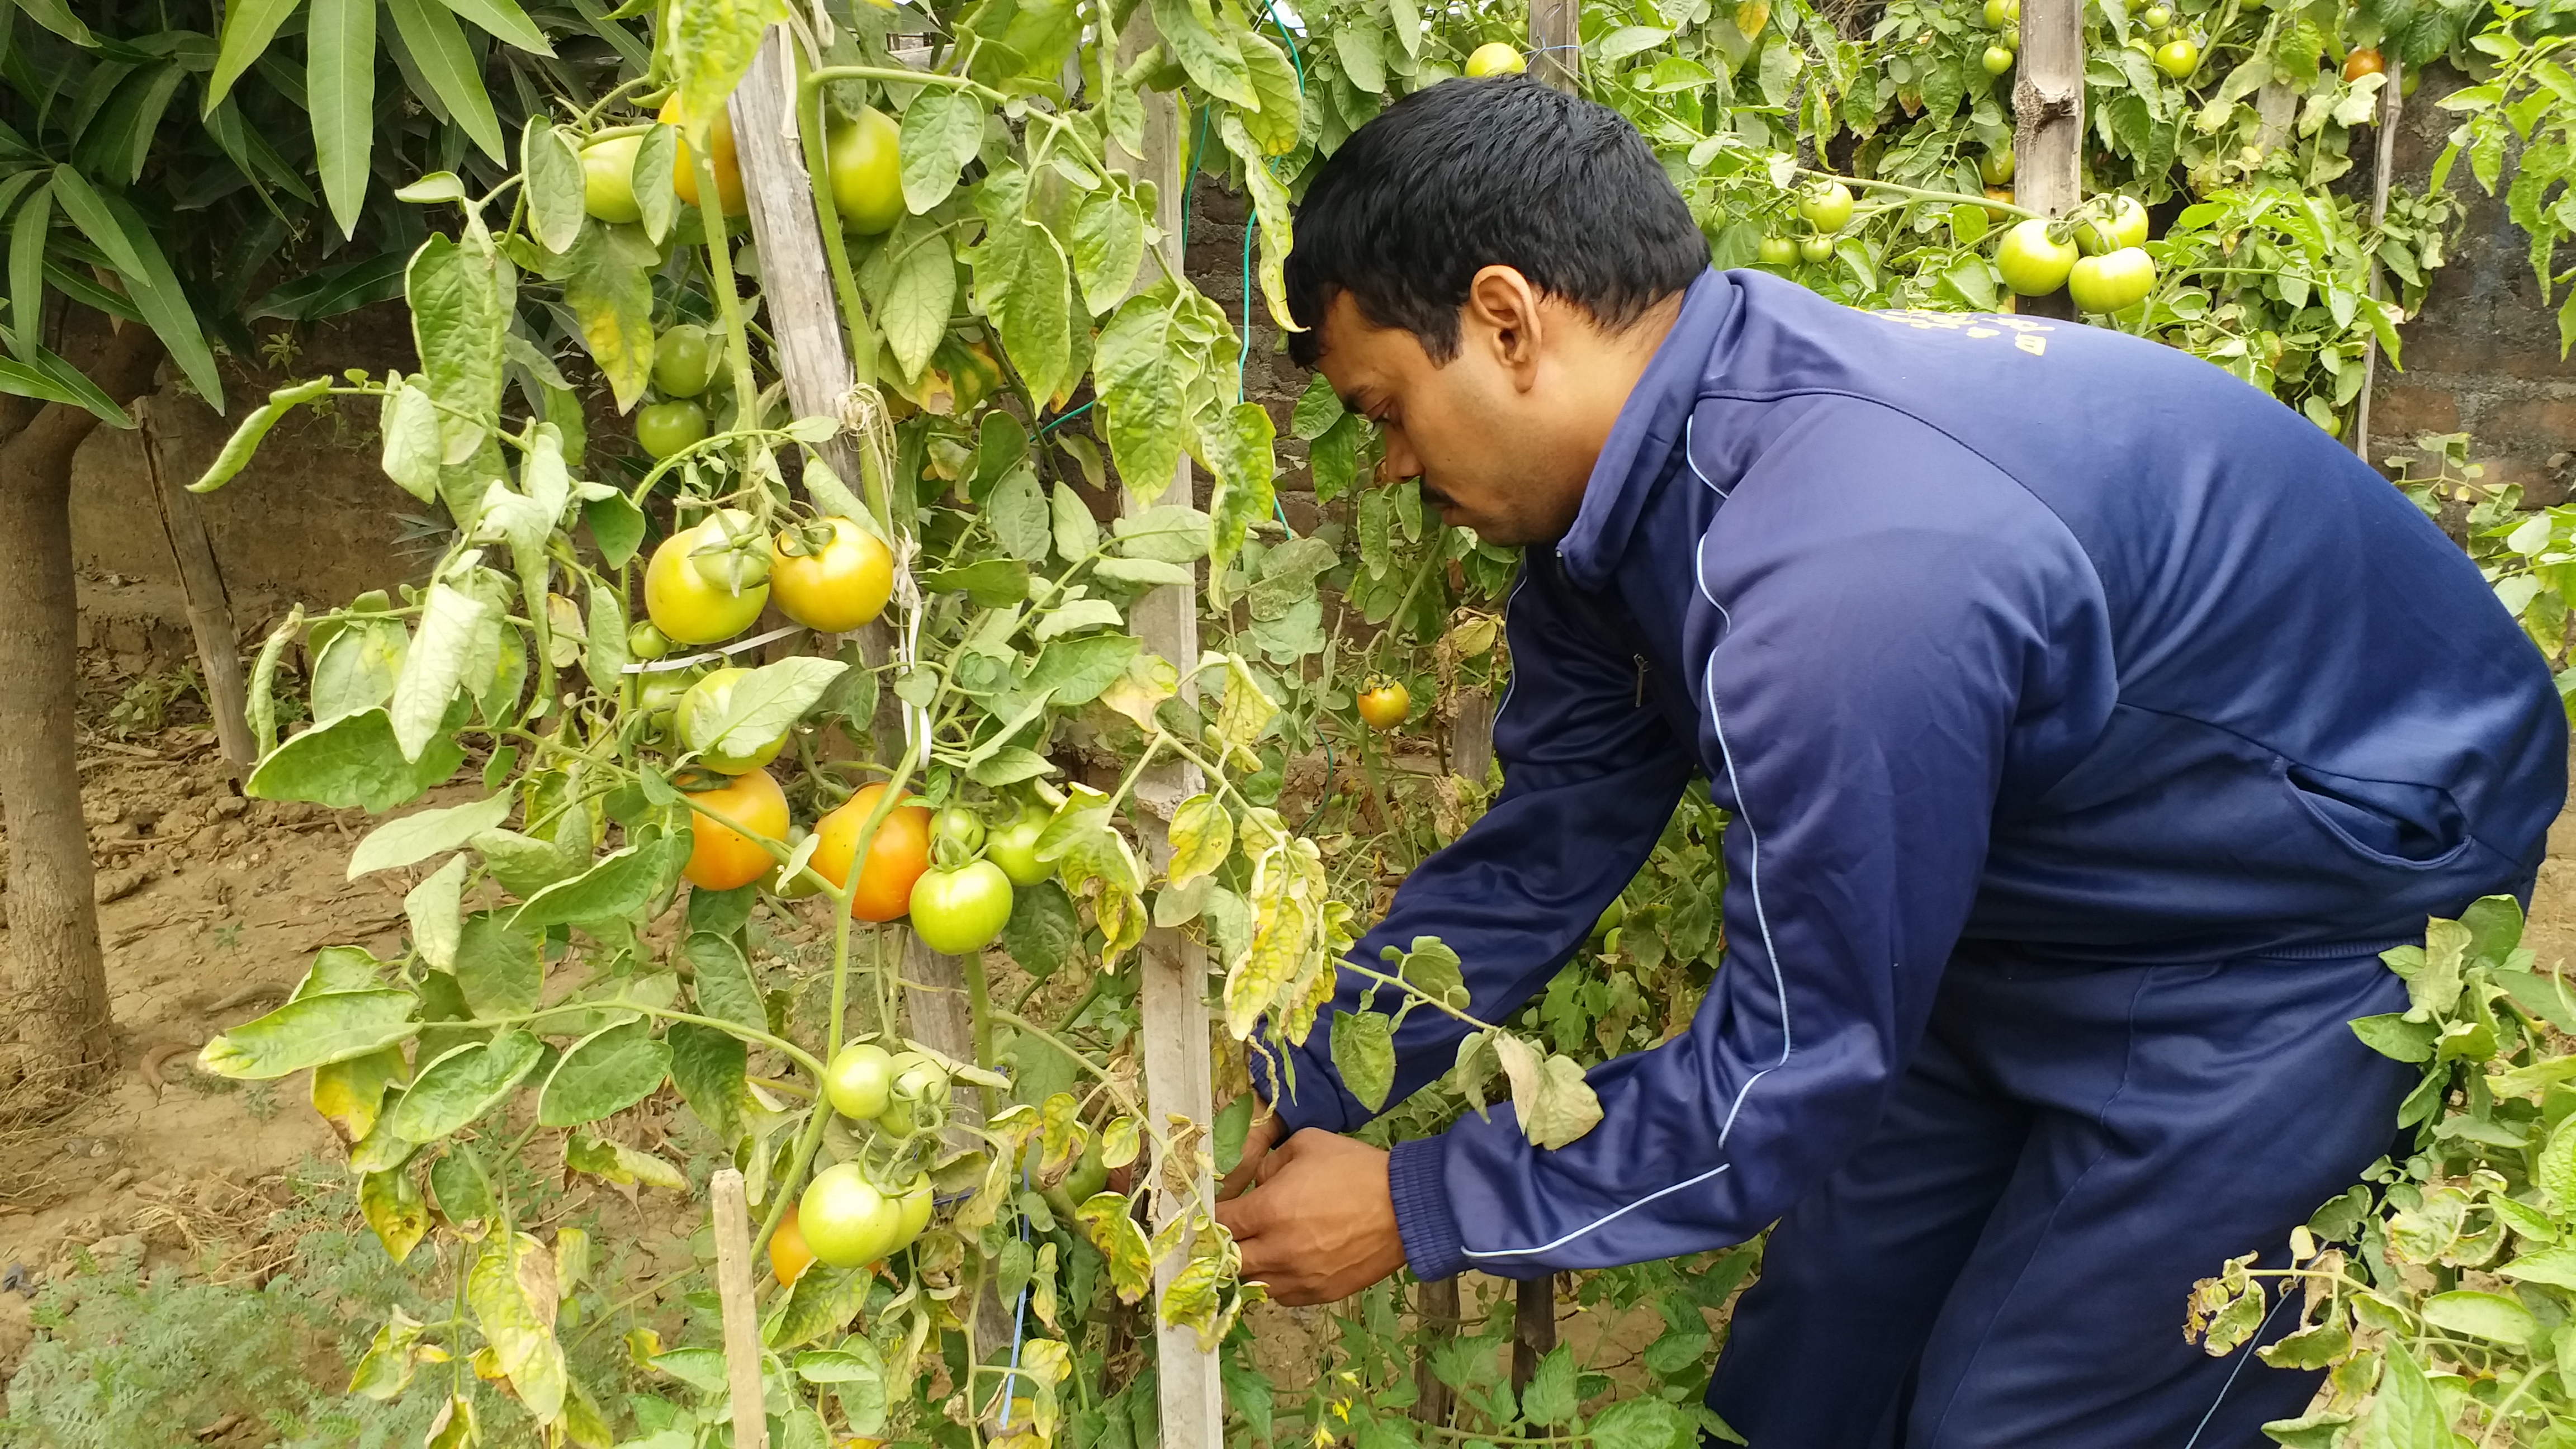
point(1258, 1139)
point(1321, 1225)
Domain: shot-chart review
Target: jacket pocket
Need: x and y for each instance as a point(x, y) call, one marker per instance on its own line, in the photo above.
point(2392, 822)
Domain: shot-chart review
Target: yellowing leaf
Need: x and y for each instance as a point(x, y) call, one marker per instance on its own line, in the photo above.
point(349, 1093)
point(1202, 835)
point(393, 1206)
point(512, 1290)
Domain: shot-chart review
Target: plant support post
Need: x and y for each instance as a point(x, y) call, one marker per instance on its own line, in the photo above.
point(1175, 968)
point(2392, 101)
point(741, 1319)
point(2048, 123)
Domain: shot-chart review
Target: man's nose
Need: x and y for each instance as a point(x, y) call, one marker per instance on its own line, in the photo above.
point(1399, 462)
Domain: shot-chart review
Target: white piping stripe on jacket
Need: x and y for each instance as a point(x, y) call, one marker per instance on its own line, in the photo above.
point(1761, 916)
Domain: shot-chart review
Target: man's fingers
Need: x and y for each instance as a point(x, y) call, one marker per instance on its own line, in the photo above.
point(1288, 1152)
point(1257, 1140)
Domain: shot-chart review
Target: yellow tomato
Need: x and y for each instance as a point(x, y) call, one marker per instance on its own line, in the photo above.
point(684, 606)
point(1494, 57)
point(840, 586)
point(720, 155)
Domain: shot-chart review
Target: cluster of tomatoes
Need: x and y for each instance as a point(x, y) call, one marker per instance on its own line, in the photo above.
point(2003, 17)
point(863, 157)
point(861, 1211)
point(2098, 255)
point(1826, 207)
point(707, 583)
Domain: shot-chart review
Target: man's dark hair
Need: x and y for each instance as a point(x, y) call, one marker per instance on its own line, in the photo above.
point(1469, 174)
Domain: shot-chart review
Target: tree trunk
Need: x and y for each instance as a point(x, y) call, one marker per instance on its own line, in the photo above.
point(53, 979)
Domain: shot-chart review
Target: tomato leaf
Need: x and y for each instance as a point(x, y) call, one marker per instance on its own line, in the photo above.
point(311, 1032)
point(1204, 50)
point(1170, 532)
point(457, 322)
point(942, 131)
point(554, 184)
point(461, 1086)
point(413, 445)
point(1235, 444)
point(707, 1067)
point(618, 1163)
point(1275, 122)
point(424, 833)
point(512, 1290)
point(451, 621)
point(604, 1073)
point(501, 969)
point(1108, 247)
point(1202, 835)
point(1043, 933)
point(1554, 1102)
point(352, 761)
point(1364, 1055)
point(824, 1301)
point(608, 285)
point(724, 986)
point(1140, 377)
point(357, 669)
point(919, 296)
point(1636, 1423)
point(392, 1205)
point(763, 705)
point(351, 1092)
point(622, 883)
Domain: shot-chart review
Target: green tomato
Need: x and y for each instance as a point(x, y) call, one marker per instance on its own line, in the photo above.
point(1611, 917)
point(702, 711)
point(1827, 206)
point(643, 641)
point(913, 1208)
point(955, 835)
point(958, 912)
point(1088, 1176)
point(608, 179)
point(846, 1220)
point(684, 360)
point(919, 1097)
point(1495, 57)
point(1014, 848)
point(2032, 263)
point(1776, 251)
point(1816, 250)
point(2000, 13)
point(664, 428)
point(2125, 227)
point(2112, 282)
point(1996, 60)
point(1995, 168)
point(2178, 58)
point(731, 555)
point(2156, 17)
point(860, 1080)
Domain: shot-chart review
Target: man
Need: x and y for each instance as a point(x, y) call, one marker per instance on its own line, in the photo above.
point(2089, 723)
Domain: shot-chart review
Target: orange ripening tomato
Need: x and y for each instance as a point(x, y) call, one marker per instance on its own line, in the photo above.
point(2362, 62)
point(720, 155)
point(720, 857)
point(896, 859)
point(788, 1255)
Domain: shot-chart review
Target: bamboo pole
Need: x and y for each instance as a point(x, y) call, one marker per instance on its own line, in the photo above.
point(1556, 43)
point(741, 1319)
point(210, 609)
point(1174, 1006)
point(2048, 115)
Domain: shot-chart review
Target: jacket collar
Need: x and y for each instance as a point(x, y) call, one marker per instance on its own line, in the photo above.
point(1650, 428)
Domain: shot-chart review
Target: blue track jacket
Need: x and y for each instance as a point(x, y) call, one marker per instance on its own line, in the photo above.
point(1994, 633)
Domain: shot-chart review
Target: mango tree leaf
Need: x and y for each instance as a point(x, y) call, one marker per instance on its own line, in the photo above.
point(249, 26)
point(604, 1073)
point(340, 96)
point(311, 1032)
point(461, 1086)
point(504, 20)
point(352, 761)
point(443, 59)
point(424, 833)
point(116, 228)
point(513, 1292)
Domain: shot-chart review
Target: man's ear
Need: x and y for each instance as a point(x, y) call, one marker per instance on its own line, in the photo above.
point(1502, 317)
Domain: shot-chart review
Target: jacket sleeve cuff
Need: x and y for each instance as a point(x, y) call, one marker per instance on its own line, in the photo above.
point(1432, 1247)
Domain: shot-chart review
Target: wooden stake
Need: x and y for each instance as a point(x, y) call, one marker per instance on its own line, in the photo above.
point(1556, 43)
point(814, 357)
point(1190, 1393)
point(2048, 115)
point(2392, 101)
point(741, 1318)
point(210, 609)
point(1435, 1312)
